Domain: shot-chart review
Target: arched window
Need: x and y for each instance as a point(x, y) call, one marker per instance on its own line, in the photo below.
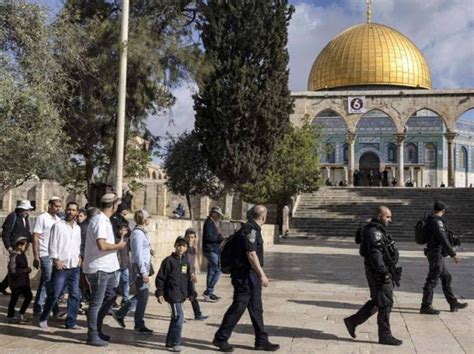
point(430, 155)
point(463, 158)
point(345, 153)
point(392, 152)
point(412, 153)
point(330, 153)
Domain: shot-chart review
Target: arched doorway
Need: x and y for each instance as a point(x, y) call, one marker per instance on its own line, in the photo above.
point(369, 162)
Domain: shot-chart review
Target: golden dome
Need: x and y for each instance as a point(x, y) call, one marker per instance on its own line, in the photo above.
point(369, 54)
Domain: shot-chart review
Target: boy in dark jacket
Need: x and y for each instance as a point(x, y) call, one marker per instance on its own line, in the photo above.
point(19, 280)
point(174, 285)
point(190, 236)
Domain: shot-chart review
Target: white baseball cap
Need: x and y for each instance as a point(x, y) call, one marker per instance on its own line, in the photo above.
point(25, 205)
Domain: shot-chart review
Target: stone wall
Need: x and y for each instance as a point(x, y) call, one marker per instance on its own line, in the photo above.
point(163, 233)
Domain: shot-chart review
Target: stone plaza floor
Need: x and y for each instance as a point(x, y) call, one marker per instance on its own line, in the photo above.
point(314, 285)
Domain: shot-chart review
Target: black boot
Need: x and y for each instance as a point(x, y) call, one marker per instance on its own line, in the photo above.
point(351, 327)
point(457, 306)
point(267, 347)
point(223, 346)
point(390, 340)
point(428, 310)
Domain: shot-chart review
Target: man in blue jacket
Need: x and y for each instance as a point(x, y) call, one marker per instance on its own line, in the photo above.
point(211, 240)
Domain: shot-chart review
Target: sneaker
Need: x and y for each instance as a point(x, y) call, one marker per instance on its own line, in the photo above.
point(214, 297)
point(118, 319)
point(207, 298)
point(62, 300)
point(458, 306)
point(43, 324)
point(23, 318)
point(201, 318)
point(267, 347)
point(4, 292)
point(115, 306)
point(223, 346)
point(176, 348)
point(428, 310)
point(144, 330)
point(97, 342)
point(81, 312)
point(13, 320)
point(75, 327)
point(205, 293)
point(390, 341)
point(350, 327)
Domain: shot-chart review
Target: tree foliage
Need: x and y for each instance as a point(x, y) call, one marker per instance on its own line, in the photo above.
point(187, 171)
point(32, 140)
point(243, 105)
point(294, 169)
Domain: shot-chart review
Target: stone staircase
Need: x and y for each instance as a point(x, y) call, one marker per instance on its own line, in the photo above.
point(337, 212)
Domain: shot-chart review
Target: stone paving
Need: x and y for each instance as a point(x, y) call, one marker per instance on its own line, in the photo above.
point(314, 285)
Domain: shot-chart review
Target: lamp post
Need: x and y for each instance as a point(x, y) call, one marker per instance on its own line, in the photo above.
point(120, 137)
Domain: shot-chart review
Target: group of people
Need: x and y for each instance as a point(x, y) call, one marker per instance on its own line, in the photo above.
point(98, 245)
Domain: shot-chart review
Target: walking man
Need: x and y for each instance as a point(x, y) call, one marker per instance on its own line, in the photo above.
point(248, 278)
point(100, 265)
point(439, 246)
point(375, 245)
point(64, 250)
point(41, 230)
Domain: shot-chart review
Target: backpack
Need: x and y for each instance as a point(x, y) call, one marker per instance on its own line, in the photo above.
point(228, 253)
point(421, 234)
point(359, 233)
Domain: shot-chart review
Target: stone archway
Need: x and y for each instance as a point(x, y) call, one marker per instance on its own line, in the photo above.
point(369, 161)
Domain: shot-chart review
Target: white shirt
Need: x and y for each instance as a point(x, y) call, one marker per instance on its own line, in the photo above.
point(42, 227)
point(96, 260)
point(65, 243)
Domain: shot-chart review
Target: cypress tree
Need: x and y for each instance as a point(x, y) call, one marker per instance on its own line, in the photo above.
point(243, 104)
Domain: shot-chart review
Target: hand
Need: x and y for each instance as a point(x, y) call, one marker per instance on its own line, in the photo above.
point(264, 280)
point(194, 278)
point(29, 269)
point(146, 279)
point(456, 259)
point(190, 298)
point(36, 263)
point(59, 264)
point(160, 299)
point(387, 279)
point(80, 262)
point(10, 250)
point(122, 244)
point(123, 232)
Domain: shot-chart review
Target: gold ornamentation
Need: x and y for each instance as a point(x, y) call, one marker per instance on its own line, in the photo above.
point(369, 54)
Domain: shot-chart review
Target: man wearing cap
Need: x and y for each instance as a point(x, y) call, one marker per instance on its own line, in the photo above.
point(211, 240)
point(438, 247)
point(64, 249)
point(100, 265)
point(41, 230)
point(16, 224)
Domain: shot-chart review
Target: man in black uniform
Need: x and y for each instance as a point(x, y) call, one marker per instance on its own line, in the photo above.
point(248, 278)
point(374, 247)
point(438, 247)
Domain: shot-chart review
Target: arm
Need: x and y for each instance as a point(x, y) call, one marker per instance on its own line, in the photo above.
point(375, 252)
point(36, 240)
point(442, 237)
point(190, 283)
point(7, 231)
point(12, 264)
point(137, 247)
point(106, 247)
point(160, 280)
point(53, 247)
point(255, 264)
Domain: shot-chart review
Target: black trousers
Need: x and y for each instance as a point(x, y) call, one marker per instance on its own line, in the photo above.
point(381, 301)
point(247, 295)
point(437, 270)
point(16, 293)
point(195, 303)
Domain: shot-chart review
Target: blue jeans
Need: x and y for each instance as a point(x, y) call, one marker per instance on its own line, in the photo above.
point(60, 279)
point(46, 265)
point(102, 298)
point(124, 284)
point(213, 270)
point(173, 337)
point(140, 300)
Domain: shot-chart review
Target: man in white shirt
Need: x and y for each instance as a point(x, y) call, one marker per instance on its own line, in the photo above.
point(43, 225)
point(100, 264)
point(64, 251)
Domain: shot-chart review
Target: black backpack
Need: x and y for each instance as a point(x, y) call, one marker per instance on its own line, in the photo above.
point(228, 253)
point(359, 235)
point(421, 234)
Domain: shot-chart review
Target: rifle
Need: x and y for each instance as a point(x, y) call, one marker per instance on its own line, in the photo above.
point(395, 272)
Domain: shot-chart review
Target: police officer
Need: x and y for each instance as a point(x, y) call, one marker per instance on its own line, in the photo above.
point(248, 278)
point(438, 247)
point(375, 244)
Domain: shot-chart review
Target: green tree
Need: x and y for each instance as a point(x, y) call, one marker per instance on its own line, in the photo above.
point(160, 56)
point(187, 171)
point(32, 140)
point(294, 169)
point(243, 104)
